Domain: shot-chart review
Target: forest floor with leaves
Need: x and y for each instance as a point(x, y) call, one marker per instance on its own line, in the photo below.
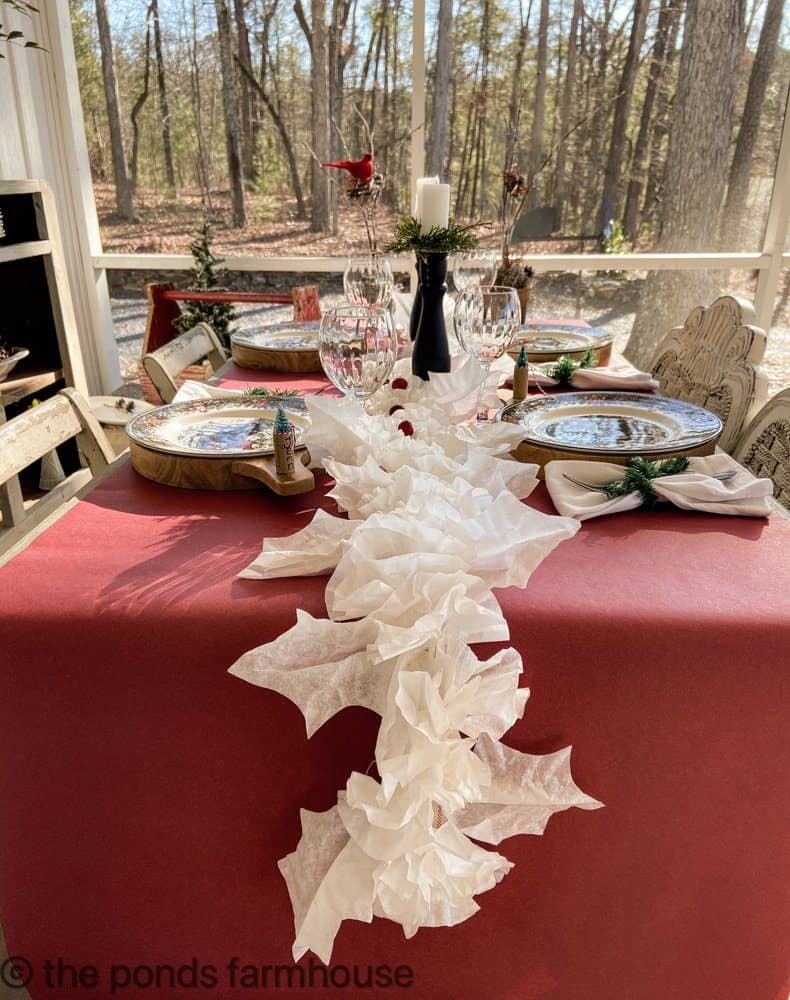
point(168, 223)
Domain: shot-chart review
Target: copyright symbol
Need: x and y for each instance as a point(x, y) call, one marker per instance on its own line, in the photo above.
point(16, 972)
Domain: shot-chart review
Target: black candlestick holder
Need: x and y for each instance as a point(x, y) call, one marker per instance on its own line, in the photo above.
point(431, 351)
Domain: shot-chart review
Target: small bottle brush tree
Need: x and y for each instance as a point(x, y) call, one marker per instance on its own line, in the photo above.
point(204, 278)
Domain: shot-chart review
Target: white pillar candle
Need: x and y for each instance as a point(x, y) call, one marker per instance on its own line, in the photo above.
point(434, 206)
point(418, 196)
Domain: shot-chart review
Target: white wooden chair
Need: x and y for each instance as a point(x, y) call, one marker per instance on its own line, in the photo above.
point(713, 361)
point(164, 365)
point(30, 436)
point(764, 447)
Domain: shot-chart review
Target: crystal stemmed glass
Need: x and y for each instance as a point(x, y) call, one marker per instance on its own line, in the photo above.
point(358, 346)
point(486, 323)
point(475, 269)
point(369, 280)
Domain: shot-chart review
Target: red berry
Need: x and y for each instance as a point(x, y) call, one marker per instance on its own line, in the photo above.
point(399, 383)
point(406, 427)
point(395, 409)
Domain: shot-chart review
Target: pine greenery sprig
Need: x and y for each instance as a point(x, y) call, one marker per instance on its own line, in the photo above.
point(262, 392)
point(565, 368)
point(639, 476)
point(206, 269)
point(410, 238)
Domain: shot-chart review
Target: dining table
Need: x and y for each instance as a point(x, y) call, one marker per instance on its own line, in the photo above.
point(147, 794)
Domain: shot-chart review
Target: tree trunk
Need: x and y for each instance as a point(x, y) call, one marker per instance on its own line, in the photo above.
point(245, 91)
point(541, 63)
point(662, 119)
point(697, 162)
point(632, 215)
point(437, 151)
point(479, 145)
point(123, 188)
point(138, 104)
point(738, 187)
point(321, 209)
point(231, 112)
point(279, 124)
point(568, 88)
point(336, 58)
point(600, 61)
point(517, 89)
point(202, 164)
point(167, 144)
point(610, 200)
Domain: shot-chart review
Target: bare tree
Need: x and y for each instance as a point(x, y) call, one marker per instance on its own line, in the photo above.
point(697, 161)
point(279, 124)
point(662, 120)
point(247, 91)
point(327, 61)
point(567, 93)
point(610, 201)
point(202, 159)
point(137, 107)
point(167, 142)
point(437, 151)
point(231, 111)
point(738, 187)
point(632, 213)
point(123, 187)
point(538, 119)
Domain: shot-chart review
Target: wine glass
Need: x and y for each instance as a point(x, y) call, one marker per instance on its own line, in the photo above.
point(475, 269)
point(358, 346)
point(486, 323)
point(369, 280)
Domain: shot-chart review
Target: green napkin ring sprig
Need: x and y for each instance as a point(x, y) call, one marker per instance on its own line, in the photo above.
point(565, 368)
point(264, 393)
point(639, 476)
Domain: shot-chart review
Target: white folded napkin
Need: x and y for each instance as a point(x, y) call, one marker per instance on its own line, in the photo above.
point(203, 390)
point(618, 375)
point(695, 489)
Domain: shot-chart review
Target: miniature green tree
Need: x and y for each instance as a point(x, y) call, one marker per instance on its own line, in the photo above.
point(205, 278)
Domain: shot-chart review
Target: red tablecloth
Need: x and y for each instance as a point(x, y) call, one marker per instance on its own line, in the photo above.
point(147, 794)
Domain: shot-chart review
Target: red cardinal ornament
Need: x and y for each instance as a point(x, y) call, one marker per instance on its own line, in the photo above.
point(361, 170)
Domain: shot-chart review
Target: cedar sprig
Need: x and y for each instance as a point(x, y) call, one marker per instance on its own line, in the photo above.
point(565, 368)
point(410, 238)
point(262, 391)
point(639, 476)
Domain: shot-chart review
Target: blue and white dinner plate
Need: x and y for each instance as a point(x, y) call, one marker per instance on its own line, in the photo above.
point(294, 336)
point(549, 341)
point(613, 423)
point(235, 427)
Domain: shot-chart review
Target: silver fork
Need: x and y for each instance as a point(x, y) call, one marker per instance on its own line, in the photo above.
point(722, 477)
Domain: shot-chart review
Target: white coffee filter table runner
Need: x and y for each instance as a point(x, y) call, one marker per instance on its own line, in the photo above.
point(434, 522)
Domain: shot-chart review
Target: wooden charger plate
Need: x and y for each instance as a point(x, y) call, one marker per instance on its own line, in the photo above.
point(218, 444)
point(610, 427)
point(284, 347)
point(550, 342)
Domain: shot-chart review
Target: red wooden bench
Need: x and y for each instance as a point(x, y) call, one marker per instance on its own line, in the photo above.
point(163, 309)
